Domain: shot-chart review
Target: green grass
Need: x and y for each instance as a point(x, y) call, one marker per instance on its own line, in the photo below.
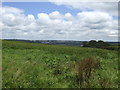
point(32, 65)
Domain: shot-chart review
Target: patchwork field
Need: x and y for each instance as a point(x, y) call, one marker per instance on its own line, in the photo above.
point(33, 65)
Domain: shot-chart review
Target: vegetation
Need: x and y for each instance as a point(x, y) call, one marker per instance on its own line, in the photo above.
point(32, 65)
point(100, 44)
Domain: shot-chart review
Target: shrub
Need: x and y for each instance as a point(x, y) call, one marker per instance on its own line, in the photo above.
point(84, 70)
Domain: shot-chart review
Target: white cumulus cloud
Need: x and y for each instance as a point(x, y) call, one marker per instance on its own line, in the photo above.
point(55, 25)
point(109, 7)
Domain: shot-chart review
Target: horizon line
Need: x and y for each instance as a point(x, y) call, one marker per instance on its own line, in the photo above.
point(57, 40)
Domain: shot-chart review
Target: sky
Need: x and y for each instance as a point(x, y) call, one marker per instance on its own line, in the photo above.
point(40, 7)
point(81, 21)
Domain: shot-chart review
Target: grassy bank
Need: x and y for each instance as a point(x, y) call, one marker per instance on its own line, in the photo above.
point(32, 65)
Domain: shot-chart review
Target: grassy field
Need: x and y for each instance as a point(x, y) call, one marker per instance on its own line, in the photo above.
point(32, 65)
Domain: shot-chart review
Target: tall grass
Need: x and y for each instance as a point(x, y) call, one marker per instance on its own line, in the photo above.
point(32, 65)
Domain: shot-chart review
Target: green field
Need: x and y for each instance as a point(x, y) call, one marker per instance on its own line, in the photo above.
point(32, 65)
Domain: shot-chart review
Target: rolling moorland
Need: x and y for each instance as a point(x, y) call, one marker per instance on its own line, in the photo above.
point(34, 65)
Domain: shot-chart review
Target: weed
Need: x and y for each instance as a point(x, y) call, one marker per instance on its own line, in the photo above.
point(85, 69)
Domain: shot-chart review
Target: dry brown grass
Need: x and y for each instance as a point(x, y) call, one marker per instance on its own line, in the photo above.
point(84, 70)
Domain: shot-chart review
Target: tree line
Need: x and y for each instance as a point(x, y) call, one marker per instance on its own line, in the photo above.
point(99, 44)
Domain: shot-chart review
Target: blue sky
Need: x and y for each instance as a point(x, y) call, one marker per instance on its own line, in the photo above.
point(44, 7)
point(41, 7)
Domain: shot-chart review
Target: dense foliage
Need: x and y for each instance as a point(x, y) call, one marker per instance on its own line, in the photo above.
point(32, 65)
point(100, 44)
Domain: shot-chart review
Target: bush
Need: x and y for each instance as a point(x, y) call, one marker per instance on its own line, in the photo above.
point(85, 69)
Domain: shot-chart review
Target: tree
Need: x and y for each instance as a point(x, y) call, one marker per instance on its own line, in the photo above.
point(85, 44)
point(92, 43)
point(95, 44)
point(102, 44)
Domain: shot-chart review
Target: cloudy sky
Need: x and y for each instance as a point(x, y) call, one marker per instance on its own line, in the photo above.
point(59, 20)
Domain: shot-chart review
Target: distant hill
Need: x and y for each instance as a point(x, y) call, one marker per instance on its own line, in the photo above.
point(59, 42)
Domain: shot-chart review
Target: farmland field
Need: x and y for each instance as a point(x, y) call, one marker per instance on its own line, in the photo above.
point(33, 65)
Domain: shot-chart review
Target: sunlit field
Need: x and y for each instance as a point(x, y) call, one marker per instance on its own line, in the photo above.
point(33, 65)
